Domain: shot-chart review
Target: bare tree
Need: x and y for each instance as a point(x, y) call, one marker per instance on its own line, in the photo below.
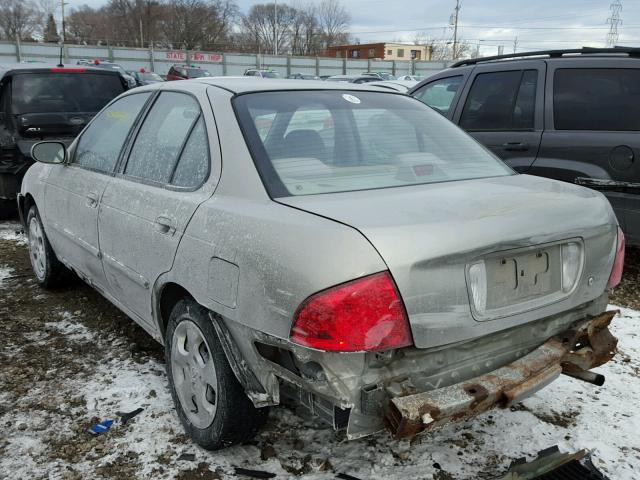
point(223, 15)
point(305, 31)
point(443, 50)
point(19, 19)
point(198, 23)
point(261, 30)
point(334, 20)
point(85, 25)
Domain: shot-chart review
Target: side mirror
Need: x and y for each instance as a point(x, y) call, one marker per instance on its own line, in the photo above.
point(49, 152)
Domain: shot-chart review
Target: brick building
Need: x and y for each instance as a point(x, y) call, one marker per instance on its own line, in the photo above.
point(381, 51)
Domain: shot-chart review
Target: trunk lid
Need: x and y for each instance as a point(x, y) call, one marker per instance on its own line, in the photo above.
point(430, 235)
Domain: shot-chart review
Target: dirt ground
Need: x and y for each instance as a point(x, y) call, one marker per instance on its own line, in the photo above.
point(68, 354)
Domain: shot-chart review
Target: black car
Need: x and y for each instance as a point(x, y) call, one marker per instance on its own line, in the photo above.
point(142, 77)
point(185, 72)
point(571, 115)
point(45, 103)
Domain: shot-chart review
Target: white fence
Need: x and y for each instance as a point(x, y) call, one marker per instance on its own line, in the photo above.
point(217, 63)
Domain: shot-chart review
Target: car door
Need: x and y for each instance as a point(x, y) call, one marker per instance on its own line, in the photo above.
point(73, 191)
point(592, 133)
point(147, 206)
point(502, 107)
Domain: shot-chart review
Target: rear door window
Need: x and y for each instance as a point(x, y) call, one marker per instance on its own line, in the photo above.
point(596, 99)
point(501, 101)
point(101, 143)
point(439, 94)
point(162, 137)
point(193, 166)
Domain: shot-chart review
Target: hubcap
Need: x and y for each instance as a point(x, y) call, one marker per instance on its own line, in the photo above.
point(36, 248)
point(194, 374)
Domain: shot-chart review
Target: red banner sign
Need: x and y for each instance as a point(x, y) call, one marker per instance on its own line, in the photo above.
point(193, 56)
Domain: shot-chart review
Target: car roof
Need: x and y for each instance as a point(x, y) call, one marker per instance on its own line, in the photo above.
point(241, 85)
point(6, 68)
point(584, 53)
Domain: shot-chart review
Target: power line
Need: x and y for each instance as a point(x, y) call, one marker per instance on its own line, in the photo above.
point(614, 20)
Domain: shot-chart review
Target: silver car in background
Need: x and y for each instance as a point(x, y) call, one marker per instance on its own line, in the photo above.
point(334, 244)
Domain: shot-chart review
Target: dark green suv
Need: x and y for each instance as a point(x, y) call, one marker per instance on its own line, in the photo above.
point(570, 115)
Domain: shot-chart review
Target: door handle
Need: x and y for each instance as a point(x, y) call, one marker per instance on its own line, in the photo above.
point(516, 146)
point(92, 199)
point(165, 225)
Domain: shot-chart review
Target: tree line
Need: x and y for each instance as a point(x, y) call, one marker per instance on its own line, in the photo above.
point(213, 25)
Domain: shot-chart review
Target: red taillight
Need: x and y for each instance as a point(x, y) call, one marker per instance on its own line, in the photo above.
point(365, 314)
point(618, 262)
point(68, 70)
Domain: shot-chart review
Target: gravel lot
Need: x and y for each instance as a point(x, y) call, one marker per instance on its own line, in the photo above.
point(69, 359)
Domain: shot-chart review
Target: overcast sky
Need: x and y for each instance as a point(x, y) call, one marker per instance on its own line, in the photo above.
point(537, 24)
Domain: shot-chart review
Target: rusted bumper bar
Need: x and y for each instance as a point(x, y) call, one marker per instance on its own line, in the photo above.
point(588, 345)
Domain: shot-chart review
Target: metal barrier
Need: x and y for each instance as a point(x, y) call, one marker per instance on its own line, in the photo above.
point(216, 63)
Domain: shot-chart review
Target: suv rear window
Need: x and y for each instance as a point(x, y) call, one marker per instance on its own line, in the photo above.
point(501, 101)
point(596, 99)
point(63, 92)
point(311, 142)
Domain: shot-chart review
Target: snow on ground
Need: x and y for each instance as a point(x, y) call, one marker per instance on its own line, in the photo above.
point(5, 272)
point(570, 413)
point(12, 231)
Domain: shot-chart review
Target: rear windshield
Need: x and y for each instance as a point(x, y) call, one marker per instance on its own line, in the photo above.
point(63, 92)
point(311, 142)
point(197, 73)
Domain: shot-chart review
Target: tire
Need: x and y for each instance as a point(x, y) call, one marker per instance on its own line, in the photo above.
point(48, 270)
point(211, 403)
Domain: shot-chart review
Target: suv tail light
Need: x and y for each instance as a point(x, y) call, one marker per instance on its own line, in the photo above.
point(365, 314)
point(618, 262)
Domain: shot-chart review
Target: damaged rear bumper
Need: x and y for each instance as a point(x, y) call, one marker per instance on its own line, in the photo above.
point(589, 344)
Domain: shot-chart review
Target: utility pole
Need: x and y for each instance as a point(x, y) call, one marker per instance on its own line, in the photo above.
point(614, 20)
point(141, 39)
point(62, 33)
point(275, 27)
point(62, 13)
point(454, 21)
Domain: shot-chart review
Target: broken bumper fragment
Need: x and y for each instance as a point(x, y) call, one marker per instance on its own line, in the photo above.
point(589, 344)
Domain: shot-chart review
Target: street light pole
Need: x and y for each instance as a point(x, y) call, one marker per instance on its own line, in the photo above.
point(275, 27)
point(62, 4)
point(62, 33)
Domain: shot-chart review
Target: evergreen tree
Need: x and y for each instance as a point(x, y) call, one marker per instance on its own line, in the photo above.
point(51, 31)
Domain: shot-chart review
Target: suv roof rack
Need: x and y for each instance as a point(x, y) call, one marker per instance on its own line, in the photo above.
point(630, 51)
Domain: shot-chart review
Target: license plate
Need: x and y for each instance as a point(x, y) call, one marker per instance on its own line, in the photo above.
point(513, 279)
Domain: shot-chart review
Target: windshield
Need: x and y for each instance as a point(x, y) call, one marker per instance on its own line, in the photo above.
point(151, 77)
point(310, 142)
point(197, 73)
point(63, 92)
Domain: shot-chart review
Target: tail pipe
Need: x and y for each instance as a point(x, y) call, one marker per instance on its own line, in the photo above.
point(584, 375)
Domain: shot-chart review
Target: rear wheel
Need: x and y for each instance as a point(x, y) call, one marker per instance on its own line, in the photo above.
point(211, 403)
point(49, 271)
